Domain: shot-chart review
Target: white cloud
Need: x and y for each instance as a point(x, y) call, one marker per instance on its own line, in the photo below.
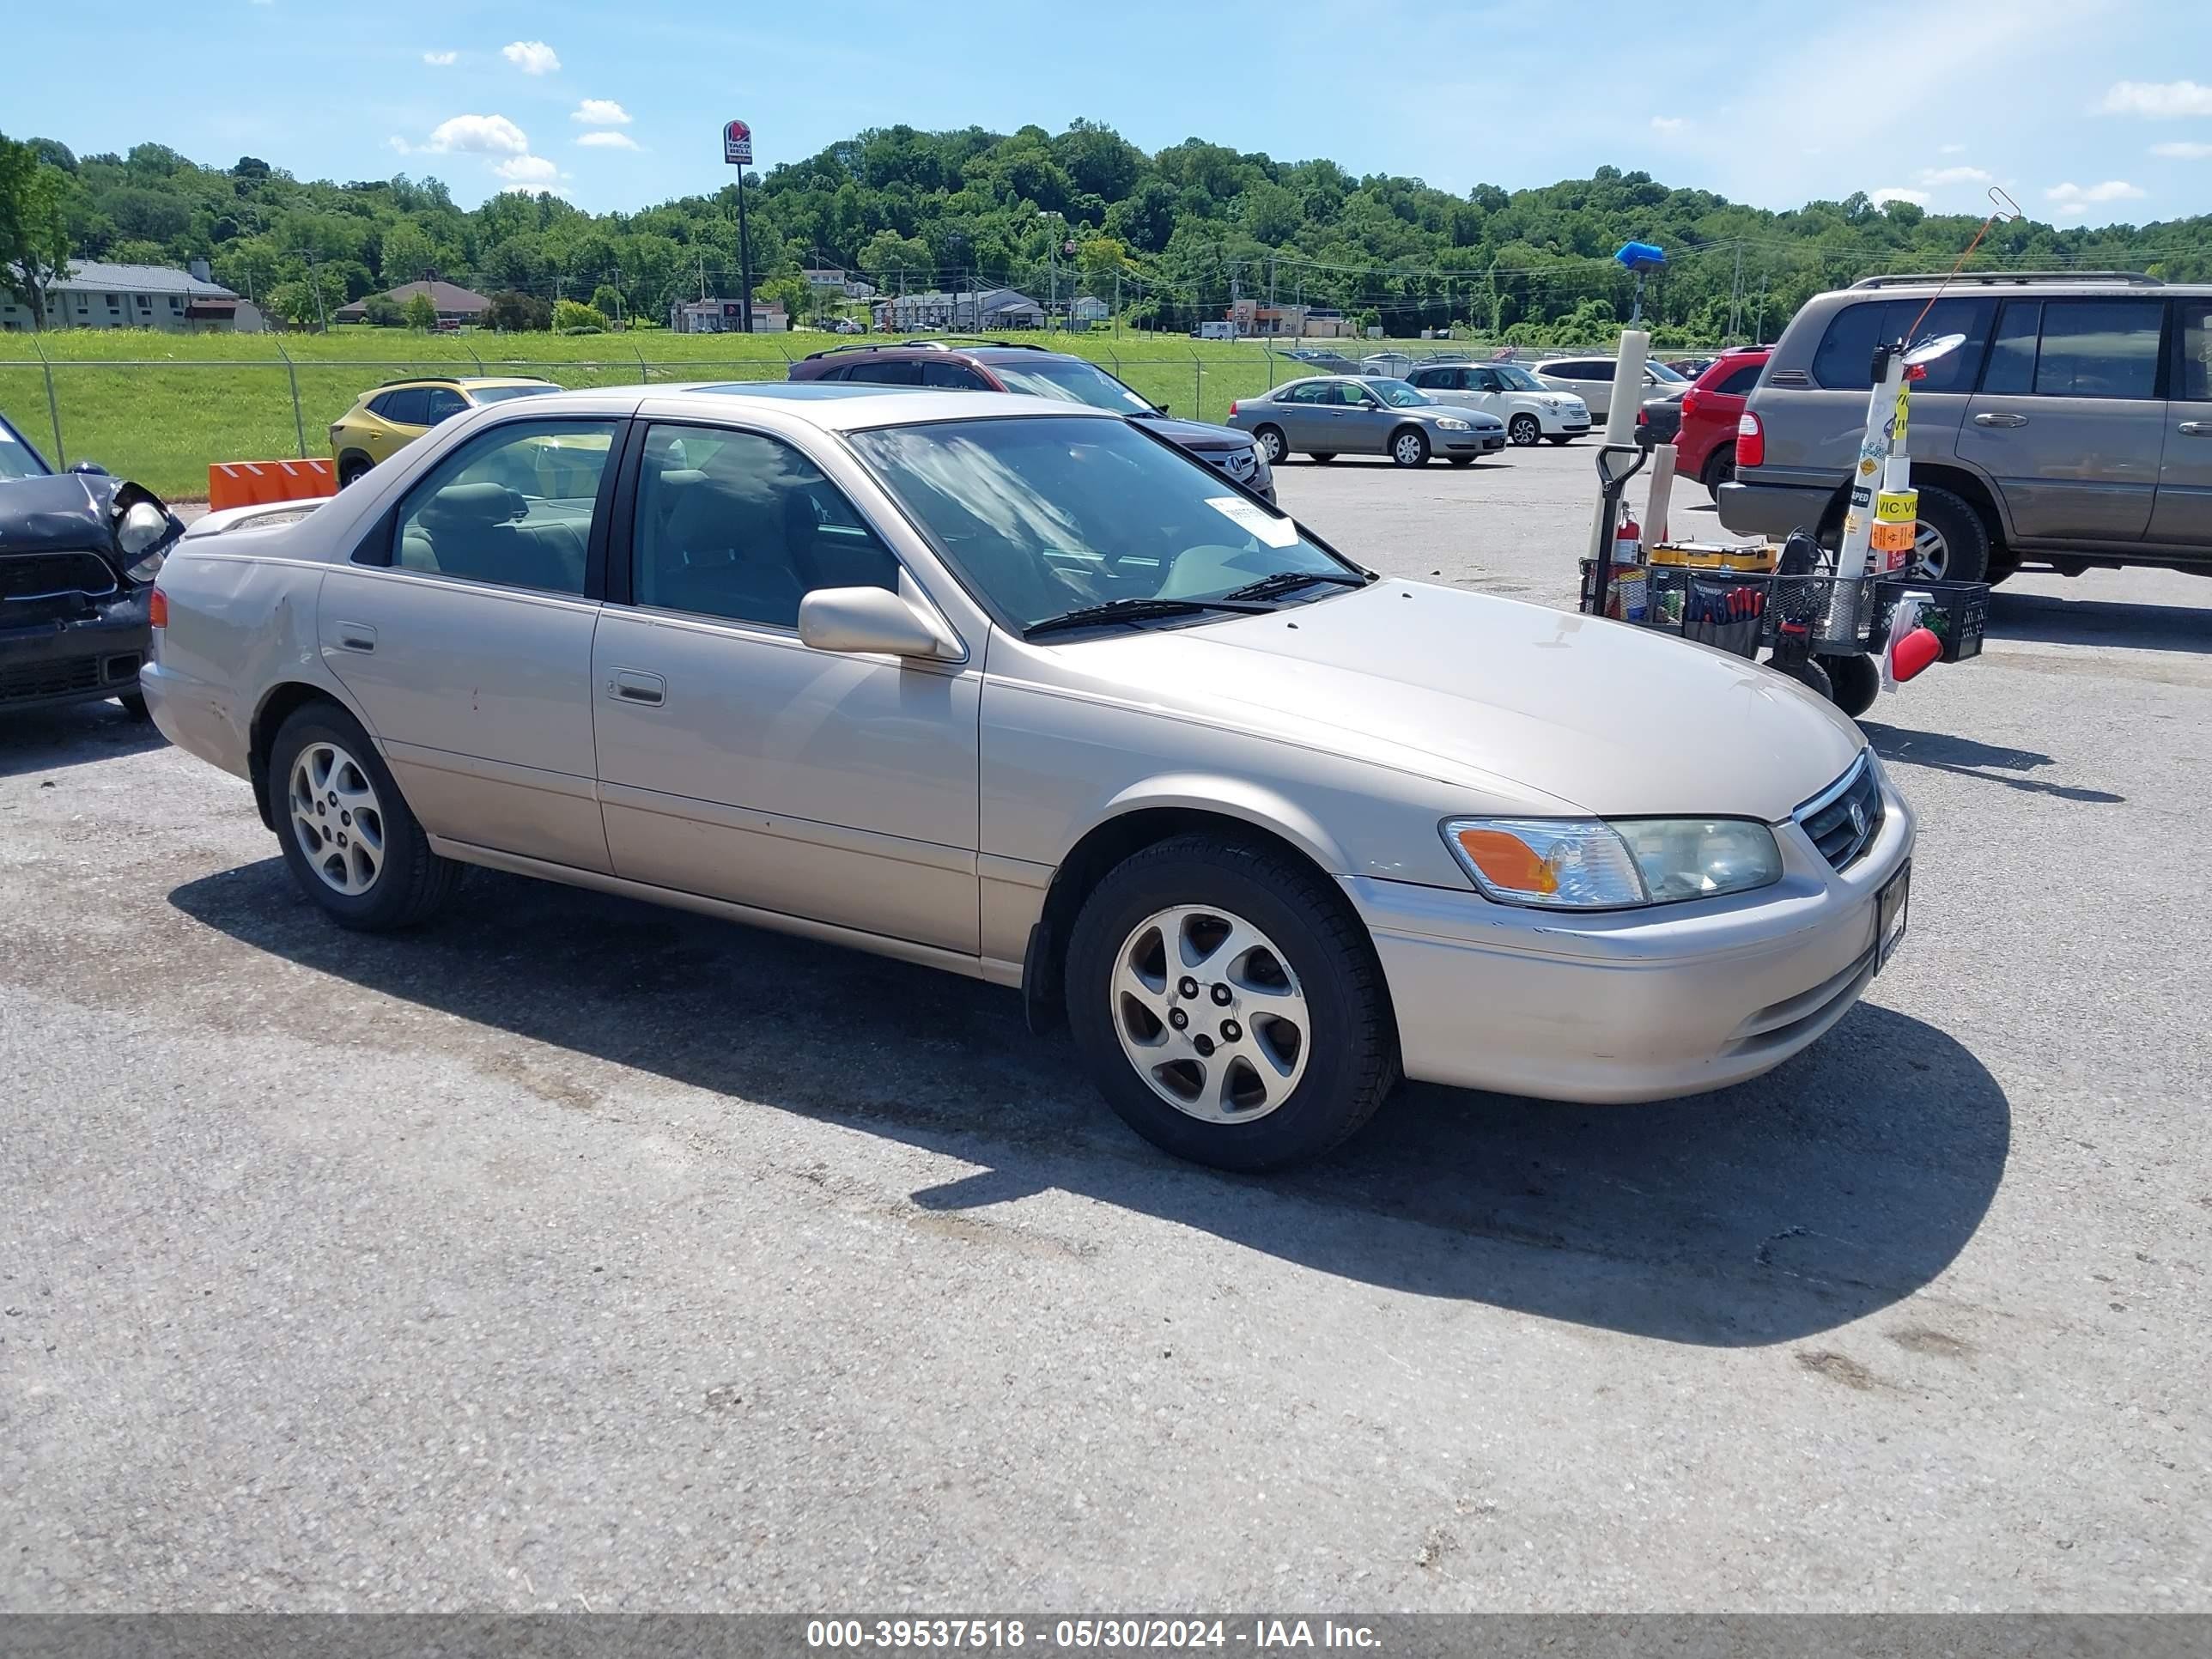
point(531, 57)
point(439, 59)
point(600, 112)
point(605, 139)
point(478, 135)
point(2161, 101)
point(2070, 198)
point(527, 169)
point(1670, 123)
point(1889, 193)
point(1953, 150)
point(1955, 175)
point(2183, 152)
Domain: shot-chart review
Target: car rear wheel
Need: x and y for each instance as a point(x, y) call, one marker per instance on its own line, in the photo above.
point(353, 469)
point(1951, 544)
point(1323, 455)
point(1720, 468)
point(1228, 1004)
point(1564, 439)
point(348, 838)
point(1460, 460)
point(1272, 444)
point(1409, 446)
point(134, 705)
point(1524, 430)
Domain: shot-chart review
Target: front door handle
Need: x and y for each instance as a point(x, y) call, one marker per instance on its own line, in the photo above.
point(355, 636)
point(2000, 420)
point(632, 685)
point(2197, 429)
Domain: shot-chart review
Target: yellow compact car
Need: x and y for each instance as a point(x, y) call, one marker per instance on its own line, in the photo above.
point(384, 422)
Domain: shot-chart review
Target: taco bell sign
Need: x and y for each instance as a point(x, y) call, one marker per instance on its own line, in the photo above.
point(738, 144)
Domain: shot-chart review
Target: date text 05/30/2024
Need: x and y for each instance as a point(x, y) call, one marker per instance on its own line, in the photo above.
point(1086, 1633)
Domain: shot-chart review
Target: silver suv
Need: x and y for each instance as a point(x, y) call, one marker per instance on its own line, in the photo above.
point(2074, 427)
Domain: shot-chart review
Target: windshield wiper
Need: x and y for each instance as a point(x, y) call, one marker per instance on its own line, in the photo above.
point(1288, 581)
point(1138, 608)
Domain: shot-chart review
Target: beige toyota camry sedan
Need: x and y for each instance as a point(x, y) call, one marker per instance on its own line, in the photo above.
point(1017, 689)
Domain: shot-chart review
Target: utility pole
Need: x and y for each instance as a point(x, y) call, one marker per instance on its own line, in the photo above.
point(314, 282)
point(1735, 296)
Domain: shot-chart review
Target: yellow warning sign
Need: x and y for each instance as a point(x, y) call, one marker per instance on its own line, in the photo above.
point(1897, 506)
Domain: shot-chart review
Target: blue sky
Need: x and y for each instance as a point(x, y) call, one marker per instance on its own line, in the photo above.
point(2084, 109)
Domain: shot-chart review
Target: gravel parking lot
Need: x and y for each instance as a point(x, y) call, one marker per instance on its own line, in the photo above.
point(576, 1254)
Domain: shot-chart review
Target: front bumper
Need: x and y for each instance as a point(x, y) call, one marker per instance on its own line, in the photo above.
point(1471, 443)
point(1631, 1005)
point(49, 664)
point(1770, 508)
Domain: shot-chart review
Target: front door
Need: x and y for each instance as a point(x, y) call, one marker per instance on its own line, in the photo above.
point(467, 642)
point(736, 762)
point(2182, 515)
point(2067, 423)
point(1353, 428)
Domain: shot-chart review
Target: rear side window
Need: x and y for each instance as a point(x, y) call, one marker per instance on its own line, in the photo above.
point(2100, 349)
point(1306, 391)
point(1845, 360)
point(409, 406)
point(2012, 354)
point(513, 508)
point(886, 373)
point(1597, 371)
point(1739, 385)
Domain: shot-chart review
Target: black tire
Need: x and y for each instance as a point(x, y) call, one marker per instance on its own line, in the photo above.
point(1808, 674)
point(1352, 1061)
point(1523, 430)
point(413, 882)
point(1966, 537)
point(1272, 444)
point(134, 705)
point(1460, 460)
point(1563, 439)
point(1323, 455)
point(1854, 682)
point(2005, 565)
point(1414, 454)
point(1720, 468)
point(352, 469)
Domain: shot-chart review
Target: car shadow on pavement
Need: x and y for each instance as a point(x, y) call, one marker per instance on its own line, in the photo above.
point(47, 739)
point(2055, 621)
point(1943, 752)
point(1831, 1189)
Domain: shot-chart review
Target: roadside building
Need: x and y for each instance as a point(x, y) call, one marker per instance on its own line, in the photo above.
point(96, 294)
point(975, 311)
point(455, 304)
point(834, 279)
point(727, 316)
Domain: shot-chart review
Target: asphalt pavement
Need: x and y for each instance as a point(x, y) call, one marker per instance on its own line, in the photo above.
point(575, 1253)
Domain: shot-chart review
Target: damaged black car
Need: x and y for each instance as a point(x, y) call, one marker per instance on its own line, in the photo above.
point(78, 555)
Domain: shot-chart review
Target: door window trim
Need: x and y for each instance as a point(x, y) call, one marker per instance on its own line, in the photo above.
point(373, 548)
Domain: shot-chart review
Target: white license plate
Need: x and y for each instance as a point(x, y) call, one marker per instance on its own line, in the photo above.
point(1893, 909)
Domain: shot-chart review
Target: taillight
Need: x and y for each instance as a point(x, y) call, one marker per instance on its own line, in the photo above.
point(1689, 402)
point(157, 608)
point(1643, 415)
point(1232, 405)
point(1750, 441)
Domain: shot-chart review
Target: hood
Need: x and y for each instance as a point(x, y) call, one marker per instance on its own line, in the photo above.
point(1478, 418)
point(67, 512)
point(1573, 712)
point(1195, 435)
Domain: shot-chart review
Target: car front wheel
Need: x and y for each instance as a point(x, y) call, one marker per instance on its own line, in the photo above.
point(1228, 1004)
point(1409, 446)
point(1524, 430)
point(1271, 445)
point(348, 838)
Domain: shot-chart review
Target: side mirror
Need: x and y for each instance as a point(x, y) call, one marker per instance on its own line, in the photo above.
point(851, 620)
point(1162, 408)
point(91, 469)
point(1371, 401)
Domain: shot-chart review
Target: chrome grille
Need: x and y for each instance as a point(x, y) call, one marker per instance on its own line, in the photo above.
point(49, 575)
point(1844, 818)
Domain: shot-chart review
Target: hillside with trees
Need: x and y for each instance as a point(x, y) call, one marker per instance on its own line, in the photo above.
point(1173, 235)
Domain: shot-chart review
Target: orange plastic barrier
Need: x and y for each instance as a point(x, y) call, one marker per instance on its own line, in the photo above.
point(250, 484)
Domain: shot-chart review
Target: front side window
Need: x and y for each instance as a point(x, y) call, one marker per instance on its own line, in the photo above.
point(955, 377)
point(2100, 349)
point(1043, 516)
point(499, 394)
point(1396, 394)
point(1516, 379)
point(513, 508)
point(443, 403)
point(741, 527)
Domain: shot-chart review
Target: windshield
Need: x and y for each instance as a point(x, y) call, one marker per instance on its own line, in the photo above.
point(1660, 371)
point(1045, 514)
point(17, 458)
point(1072, 383)
point(1517, 378)
point(1398, 394)
point(499, 394)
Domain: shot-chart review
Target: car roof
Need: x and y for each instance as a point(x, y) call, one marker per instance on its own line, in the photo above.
point(462, 381)
point(829, 408)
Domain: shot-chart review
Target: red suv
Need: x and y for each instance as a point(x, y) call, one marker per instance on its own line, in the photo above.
point(1704, 449)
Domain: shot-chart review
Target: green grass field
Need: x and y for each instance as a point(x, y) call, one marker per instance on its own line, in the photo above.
point(160, 408)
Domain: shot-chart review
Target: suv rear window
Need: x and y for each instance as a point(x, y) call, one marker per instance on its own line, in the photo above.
point(1845, 361)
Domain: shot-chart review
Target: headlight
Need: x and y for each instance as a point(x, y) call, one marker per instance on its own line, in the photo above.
point(1452, 423)
point(140, 535)
point(1584, 864)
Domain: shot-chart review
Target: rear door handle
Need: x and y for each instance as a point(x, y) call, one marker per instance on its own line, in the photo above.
point(2197, 429)
point(632, 685)
point(357, 636)
point(2000, 420)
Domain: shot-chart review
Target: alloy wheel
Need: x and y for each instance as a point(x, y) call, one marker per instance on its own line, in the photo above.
point(1525, 431)
point(1272, 446)
point(1210, 1014)
point(1931, 554)
point(1407, 449)
point(336, 819)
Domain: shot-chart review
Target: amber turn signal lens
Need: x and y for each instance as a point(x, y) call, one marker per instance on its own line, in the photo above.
point(1507, 861)
point(157, 608)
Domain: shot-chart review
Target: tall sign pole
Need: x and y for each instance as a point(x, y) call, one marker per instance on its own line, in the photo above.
point(738, 152)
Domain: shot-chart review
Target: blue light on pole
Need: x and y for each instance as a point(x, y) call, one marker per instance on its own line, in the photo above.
point(1639, 256)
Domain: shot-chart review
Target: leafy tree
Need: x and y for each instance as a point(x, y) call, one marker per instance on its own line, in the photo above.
point(514, 312)
point(573, 317)
point(34, 232)
point(382, 310)
point(420, 312)
point(606, 300)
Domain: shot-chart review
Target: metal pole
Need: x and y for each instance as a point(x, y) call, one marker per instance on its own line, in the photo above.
point(744, 259)
point(299, 423)
point(53, 405)
point(644, 375)
point(1197, 387)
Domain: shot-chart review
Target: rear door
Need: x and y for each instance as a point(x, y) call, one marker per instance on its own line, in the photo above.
point(2182, 515)
point(2069, 423)
point(1299, 412)
point(1590, 381)
point(462, 629)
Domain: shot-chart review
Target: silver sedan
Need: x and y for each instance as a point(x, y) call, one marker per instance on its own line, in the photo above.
point(1021, 691)
point(1330, 414)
